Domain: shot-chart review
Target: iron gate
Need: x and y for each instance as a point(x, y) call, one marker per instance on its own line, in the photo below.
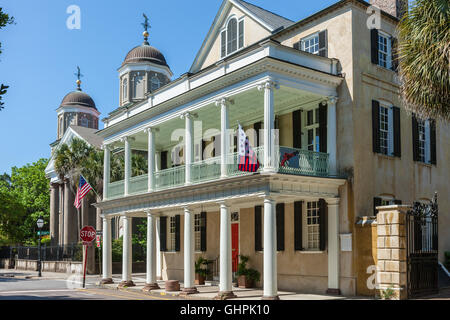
point(422, 249)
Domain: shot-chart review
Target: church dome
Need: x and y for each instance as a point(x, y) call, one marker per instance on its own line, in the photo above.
point(78, 98)
point(145, 53)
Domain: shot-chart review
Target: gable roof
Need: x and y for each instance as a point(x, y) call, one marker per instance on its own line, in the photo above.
point(88, 135)
point(272, 19)
point(268, 20)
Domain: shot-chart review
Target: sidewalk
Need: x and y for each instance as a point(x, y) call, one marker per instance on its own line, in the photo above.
point(209, 292)
point(27, 274)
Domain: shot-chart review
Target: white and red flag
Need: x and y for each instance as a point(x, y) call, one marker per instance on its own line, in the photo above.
point(83, 188)
point(248, 160)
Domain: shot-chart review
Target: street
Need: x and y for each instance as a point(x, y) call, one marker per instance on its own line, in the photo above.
point(15, 286)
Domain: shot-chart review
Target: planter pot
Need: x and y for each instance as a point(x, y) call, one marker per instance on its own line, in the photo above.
point(199, 279)
point(244, 282)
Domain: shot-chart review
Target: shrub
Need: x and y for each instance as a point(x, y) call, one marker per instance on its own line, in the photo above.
point(250, 273)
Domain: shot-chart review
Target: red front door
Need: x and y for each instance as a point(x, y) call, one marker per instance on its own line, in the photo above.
point(234, 246)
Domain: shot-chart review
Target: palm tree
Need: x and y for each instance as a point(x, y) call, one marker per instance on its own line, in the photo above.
point(424, 51)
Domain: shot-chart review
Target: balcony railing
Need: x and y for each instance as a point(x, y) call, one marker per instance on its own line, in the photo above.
point(288, 161)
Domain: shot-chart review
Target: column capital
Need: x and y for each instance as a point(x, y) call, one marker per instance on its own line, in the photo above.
point(188, 115)
point(224, 203)
point(333, 201)
point(268, 85)
point(106, 147)
point(127, 139)
point(151, 129)
point(106, 216)
point(331, 100)
point(224, 101)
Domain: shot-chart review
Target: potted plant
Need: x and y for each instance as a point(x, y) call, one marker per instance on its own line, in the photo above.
point(247, 277)
point(201, 270)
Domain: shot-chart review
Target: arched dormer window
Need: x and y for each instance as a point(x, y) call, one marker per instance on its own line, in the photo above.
point(125, 89)
point(155, 83)
point(232, 37)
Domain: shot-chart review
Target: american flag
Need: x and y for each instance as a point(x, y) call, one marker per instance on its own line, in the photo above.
point(248, 161)
point(83, 189)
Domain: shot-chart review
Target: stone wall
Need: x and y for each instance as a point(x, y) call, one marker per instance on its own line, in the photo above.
point(391, 251)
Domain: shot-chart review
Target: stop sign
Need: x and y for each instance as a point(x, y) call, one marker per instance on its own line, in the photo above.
point(87, 234)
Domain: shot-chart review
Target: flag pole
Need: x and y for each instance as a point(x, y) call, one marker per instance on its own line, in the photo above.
point(91, 186)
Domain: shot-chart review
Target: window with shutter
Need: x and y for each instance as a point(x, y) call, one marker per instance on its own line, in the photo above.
point(323, 109)
point(374, 45)
point(397, 132)
point(322, 223)
point(280, 226)
point(241, 34)
point(310, 44)
point(323, 44)
point(203, 232)
point(223, 44)
point(311, 226)
point(232, 36)
point(394, 54)
point(163, 234)
point(177, 233)
point(424, 140)
point(297, 129)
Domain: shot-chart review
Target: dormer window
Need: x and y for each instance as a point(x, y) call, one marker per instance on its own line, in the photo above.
point(232, 37)
point(155, 83)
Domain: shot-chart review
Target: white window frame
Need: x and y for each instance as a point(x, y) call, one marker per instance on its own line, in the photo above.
point(315, 126)
point(225, 28)
point(171, 234)
point(134, 85)
point(308, 38)
point(197, 232)
point(85, 122)
point(124, 89)
point(307, 228)
point(424, 157)
point(388, 51)
point(155, 81)
point(390, 129)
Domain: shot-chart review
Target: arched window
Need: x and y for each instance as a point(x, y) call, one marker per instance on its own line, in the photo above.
point(125, 89)
point(138, 85)
point(155, 83)
point(85, 122)
point(232, 36)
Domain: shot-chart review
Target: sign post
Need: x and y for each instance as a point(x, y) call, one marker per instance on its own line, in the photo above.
point(87, 234)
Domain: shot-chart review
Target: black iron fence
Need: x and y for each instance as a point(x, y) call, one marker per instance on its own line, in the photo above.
point(72, 252)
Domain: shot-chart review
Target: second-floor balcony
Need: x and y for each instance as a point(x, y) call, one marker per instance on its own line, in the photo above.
point(287, 161)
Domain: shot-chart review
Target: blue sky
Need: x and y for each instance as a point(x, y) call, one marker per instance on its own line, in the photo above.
point(40, 56)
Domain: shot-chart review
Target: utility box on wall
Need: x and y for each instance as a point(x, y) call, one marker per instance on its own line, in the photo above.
point(346, 242)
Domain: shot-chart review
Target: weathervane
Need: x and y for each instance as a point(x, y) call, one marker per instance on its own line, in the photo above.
point(79, 75)
point(146, 25)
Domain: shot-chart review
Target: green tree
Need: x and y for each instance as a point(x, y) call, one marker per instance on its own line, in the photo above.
point(30, 187)
point(12, 214)
point(5, 19)
point(424, 51)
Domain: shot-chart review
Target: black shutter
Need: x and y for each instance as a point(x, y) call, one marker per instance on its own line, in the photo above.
point(376, 126)
point(298, 221)
point(323, 47)
point(257, 127)
point(398, 202)
point(280, 226)
point(163, 160)
point(322, 224)
point(163, 234)
point(394, 54)
point(297, 129)
point(203, 232)
point(177, 232)
point(297, 45)
point(202, 156)
point(415, 135)
point(323, 127)
point(376, 203)
point(397, 132)
point(374, 45)
point(258, 228)
point(433, 141)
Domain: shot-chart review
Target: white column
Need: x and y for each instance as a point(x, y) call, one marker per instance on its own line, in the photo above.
point(188, 146)
point(151, 158)
point(107, 256)
point(225, 288)
point(158, 251)
point(127, 253)
point(106, 171)
point(269, 125)
point(270, 251)
point(189, 271)
point(332, 134)
point(151, 283)
point(333, 246)
point(127, 165)
point(224, 137)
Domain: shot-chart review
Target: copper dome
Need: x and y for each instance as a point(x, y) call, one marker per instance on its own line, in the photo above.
point(145, 53)
point(78, 98)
